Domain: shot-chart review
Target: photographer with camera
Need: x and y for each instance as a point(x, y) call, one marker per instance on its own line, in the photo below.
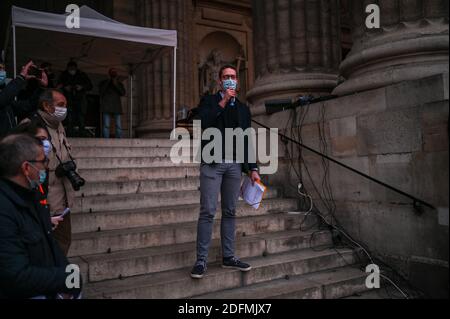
point(10, 109)
point(63, 180)
point(30, 94)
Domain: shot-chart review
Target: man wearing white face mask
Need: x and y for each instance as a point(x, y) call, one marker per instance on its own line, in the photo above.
point(52, 112)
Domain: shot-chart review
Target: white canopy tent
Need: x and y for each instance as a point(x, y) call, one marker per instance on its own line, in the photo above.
point(99, 44)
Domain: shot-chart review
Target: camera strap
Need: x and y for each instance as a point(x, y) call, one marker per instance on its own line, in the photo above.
point(65, 145)
point(68, 151)
point(56, 154)
point(67, 148)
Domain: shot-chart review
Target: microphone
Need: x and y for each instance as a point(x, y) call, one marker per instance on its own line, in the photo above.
point(230, 84)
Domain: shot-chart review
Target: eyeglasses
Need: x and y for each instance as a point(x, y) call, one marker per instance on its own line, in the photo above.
point(45, 161)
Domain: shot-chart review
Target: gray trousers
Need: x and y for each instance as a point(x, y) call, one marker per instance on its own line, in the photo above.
point(226, 179)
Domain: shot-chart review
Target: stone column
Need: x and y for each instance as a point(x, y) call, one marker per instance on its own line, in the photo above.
point(412, 43)
point(155, 81)
point(297, 48)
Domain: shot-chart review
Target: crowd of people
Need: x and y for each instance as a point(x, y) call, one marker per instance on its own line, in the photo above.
point(38, 175)
point(20, 97)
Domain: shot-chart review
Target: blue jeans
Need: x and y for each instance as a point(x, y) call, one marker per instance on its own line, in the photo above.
point(226, 180)
point(107, 124)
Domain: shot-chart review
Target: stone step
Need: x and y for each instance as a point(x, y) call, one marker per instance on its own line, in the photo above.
point(375, 294)
point(144, 200)
point(116, 152)
point(134, 201)
point(165, 235)
point(139, 187)
point(178, 284)
point(157, 259)
point(329, 284)
point(121, 143)
point(138, 174)
point(129, 162)
point(114, 220)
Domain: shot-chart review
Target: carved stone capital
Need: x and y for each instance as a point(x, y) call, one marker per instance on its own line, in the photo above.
point(412, 43)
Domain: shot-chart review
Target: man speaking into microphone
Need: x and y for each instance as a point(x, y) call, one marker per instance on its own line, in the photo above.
point(222, 111)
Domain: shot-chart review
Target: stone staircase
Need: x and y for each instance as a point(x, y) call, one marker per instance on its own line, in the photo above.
point(134, 232)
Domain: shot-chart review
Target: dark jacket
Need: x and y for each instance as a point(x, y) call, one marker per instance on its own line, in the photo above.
point(31, 263)
point(30, 95)
point(9, 108)
point(210, 113)
point(76, 98)
point(110, 97)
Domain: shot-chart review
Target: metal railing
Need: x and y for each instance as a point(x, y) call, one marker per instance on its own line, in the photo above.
point(417, 203)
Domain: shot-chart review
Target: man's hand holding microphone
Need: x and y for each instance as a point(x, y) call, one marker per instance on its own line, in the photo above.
point(230, 93)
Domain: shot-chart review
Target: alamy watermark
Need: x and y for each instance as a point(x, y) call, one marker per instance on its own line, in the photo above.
point(241, 146)
point(73, 280)
point(373, 20)
point(73, 19)
point(373, 279)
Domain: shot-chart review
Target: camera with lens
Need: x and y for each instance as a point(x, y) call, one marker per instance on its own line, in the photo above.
point(68, 169)
point(34, 71)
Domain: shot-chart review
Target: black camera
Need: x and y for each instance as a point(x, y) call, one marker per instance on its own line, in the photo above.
point(34, 71)
point(68, 169)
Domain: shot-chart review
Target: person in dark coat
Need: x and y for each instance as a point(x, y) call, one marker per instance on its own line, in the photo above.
point(48, 69)
point(75, 85)
point(10, 109)
point(31, 263)
point(222, 111)
point(36, 127)
point(111, 92)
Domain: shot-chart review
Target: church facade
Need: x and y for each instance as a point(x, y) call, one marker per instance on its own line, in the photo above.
point(389, 117)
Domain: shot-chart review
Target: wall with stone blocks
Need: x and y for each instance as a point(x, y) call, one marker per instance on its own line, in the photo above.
point(399, 135)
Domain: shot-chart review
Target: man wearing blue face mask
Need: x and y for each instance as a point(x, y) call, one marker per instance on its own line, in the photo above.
point(31, 263)
point(222, 111)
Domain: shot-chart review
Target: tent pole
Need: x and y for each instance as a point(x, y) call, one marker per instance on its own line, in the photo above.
point(174, 89)
point(14, 50)
point(8, 36)
point(131, 105)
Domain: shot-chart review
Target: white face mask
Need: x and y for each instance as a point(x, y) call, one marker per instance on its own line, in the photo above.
point(47, 147)
point(60, 113)
point(72, 72)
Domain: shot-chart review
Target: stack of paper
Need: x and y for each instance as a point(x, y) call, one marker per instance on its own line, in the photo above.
point(252, 194)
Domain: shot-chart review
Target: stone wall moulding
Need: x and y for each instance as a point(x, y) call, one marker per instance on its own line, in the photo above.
point(298, 48)
point(411, 43)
